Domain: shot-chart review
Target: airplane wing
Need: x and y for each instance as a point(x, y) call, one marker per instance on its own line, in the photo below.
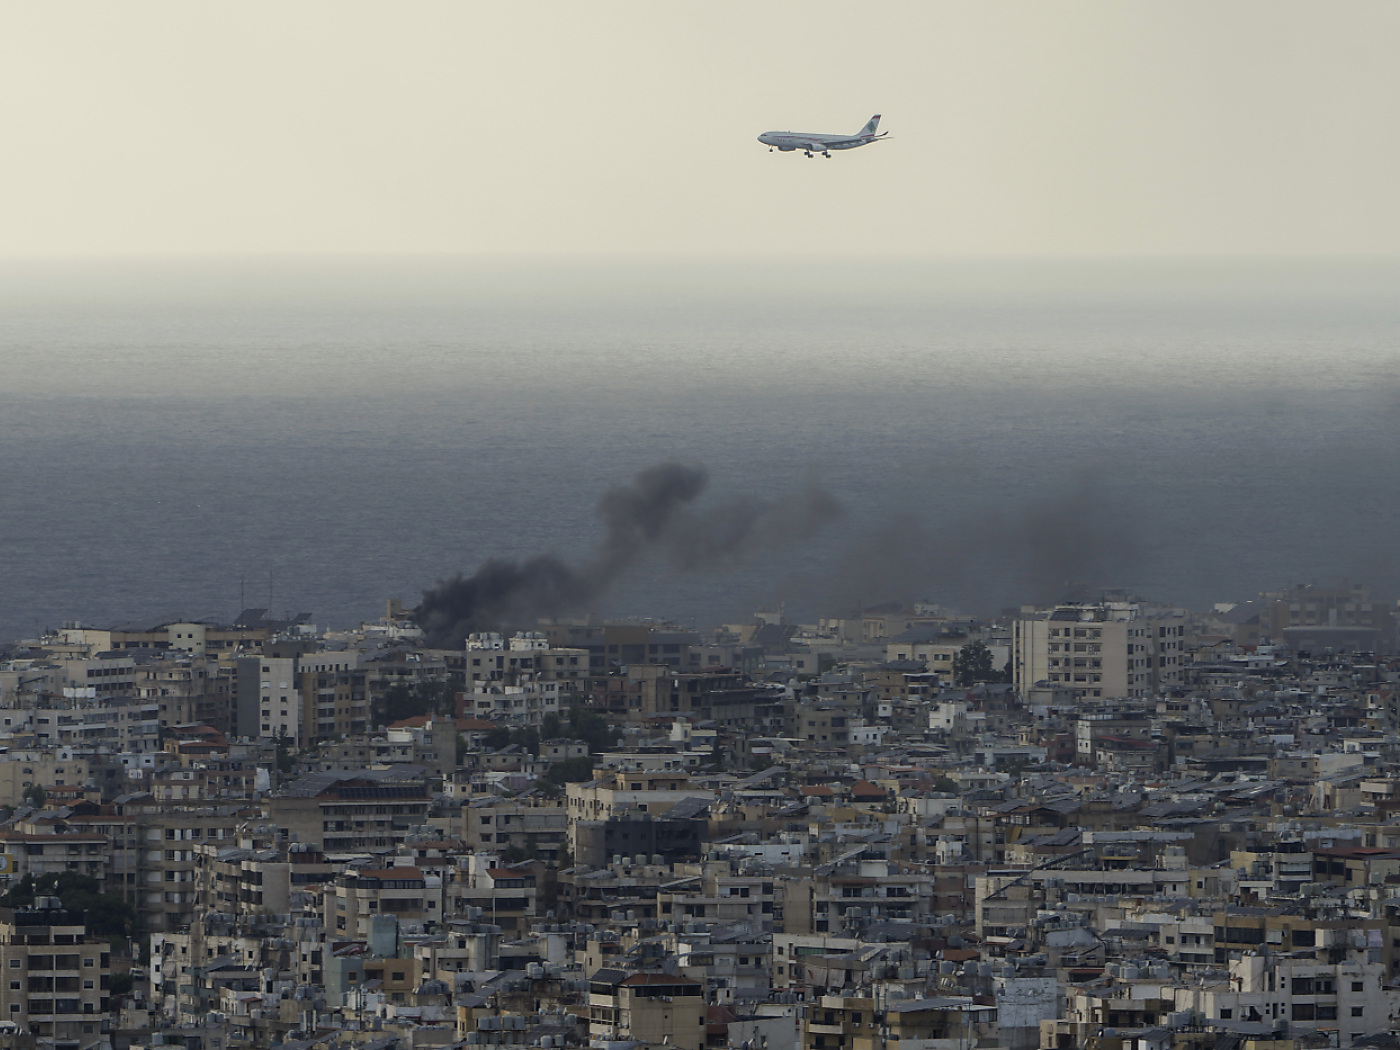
point(815, 147)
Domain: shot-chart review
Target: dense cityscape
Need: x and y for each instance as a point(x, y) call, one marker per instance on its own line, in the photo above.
point(1110, 824)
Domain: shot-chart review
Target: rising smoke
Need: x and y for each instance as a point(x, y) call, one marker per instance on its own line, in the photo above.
point(651, 514)
point(1066, 545)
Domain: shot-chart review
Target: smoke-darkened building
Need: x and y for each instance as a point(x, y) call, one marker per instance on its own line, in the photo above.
point(677, 836)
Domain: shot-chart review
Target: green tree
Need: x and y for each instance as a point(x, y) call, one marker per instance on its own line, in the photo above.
point(35, 796)
point(527, 739)
point(972, 665)
point(439, 695)
point(551, 727)
point(593, 729)
point(570, 771)
point(285, 762)
point(398, 702)
point(107, 915)
point(402, 700)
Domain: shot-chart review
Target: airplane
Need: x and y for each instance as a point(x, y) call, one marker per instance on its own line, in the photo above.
point(787, 141)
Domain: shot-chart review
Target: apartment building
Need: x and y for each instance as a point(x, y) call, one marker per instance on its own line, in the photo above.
point(24, 770)
point(524, 704)
point(650, 792)
point(334, 695)
point(267, 700)
point(502, 895)
point(1104, 650)
point(651, 1008)
point(491, 658)
point(355, 898)
point(848, 896)
point(352, 811)
point(56, 978)
point(718, 897)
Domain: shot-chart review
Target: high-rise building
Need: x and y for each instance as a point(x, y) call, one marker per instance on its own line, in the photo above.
point(1105, 650)
point(56, 978)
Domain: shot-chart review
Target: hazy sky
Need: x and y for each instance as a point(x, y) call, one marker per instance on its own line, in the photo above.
point(1070, 128)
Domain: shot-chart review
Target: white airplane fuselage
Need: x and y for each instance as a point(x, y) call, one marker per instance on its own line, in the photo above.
point(809, 143)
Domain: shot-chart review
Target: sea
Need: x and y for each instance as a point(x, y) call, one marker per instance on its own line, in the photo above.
point(184, 438)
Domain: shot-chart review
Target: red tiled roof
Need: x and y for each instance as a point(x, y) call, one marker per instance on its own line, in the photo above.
point(389, 873)
point(474, 725)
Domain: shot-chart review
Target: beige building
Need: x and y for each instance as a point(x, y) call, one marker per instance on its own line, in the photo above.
point(334, 695)
point(352, 811)
point(649, 791)
point(654, 1008)
point(22, 771)
point(56, 979)
point(1101, 651)
point(355, 898)
point(168, 837)
point(53, 854)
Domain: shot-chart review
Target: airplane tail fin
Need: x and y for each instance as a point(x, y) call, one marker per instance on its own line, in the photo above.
point(870, 126)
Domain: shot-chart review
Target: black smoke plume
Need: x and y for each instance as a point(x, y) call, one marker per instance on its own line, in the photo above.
point(1065, 546)
point(650, 514)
